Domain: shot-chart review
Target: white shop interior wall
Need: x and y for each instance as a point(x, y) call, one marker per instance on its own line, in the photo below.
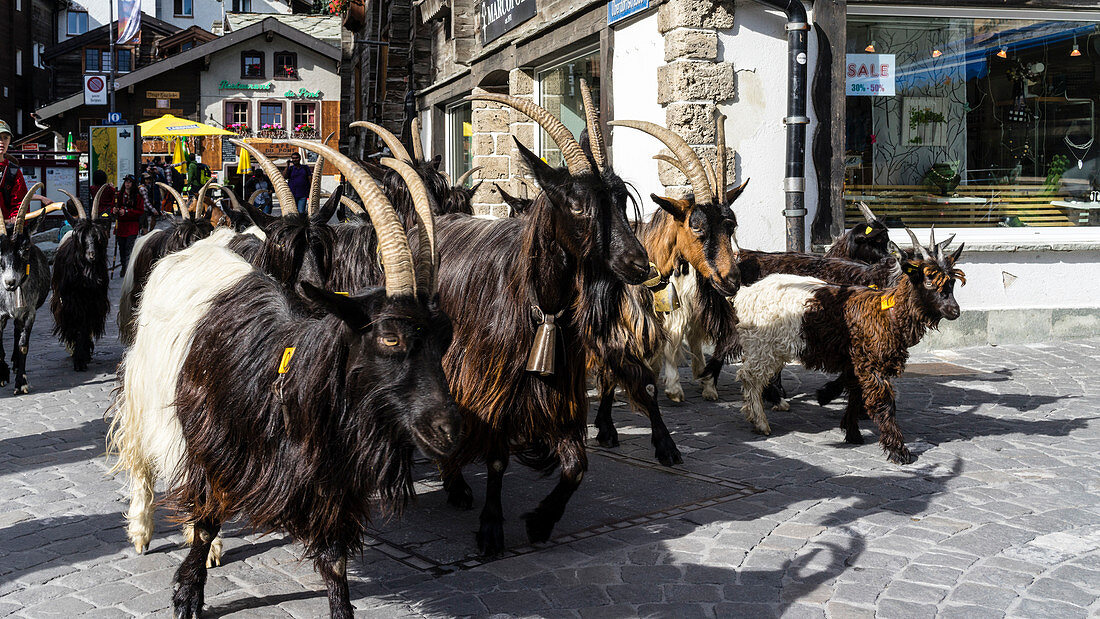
point(757, 47)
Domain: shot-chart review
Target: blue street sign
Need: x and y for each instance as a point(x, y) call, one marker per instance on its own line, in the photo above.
point(621, 9)
point(114, 118)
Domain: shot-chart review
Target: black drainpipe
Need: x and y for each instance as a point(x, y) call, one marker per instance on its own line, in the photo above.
point(794, 184)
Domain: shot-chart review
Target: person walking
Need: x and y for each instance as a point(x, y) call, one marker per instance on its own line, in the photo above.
point(192, 183)
point(150, 194)
point(298, 177)
point(259, 182)
point(129, 207)
point(13, 187)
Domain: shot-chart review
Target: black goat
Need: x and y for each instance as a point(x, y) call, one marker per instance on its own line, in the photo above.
point(866, 242)
point(80, 278)
point(25, 275)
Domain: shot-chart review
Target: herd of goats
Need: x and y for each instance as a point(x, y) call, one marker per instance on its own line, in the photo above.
point(413, 324)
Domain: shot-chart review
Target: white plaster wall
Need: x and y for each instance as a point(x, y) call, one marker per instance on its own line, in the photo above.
point(757, 47)
point(317, 72)
point(639, 50)
point(206, 12)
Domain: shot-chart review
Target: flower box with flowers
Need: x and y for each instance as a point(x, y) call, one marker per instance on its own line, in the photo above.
point(271, 131)
point(306, 131)
point(241, 129)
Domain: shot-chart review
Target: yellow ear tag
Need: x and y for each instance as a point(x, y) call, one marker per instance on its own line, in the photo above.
point(284, 365)
point(343, 293)
point(872, 286)
point(888, 302)
point(868, 230)
point(28, 269)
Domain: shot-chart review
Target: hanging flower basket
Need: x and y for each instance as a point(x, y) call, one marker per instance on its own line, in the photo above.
point(305, 131)
point(241, 129)
point(353, 11)
point(272, 131)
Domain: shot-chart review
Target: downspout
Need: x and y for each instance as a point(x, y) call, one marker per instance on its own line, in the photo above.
point(794, 183)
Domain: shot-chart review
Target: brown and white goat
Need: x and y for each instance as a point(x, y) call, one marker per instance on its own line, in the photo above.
point(860, 333)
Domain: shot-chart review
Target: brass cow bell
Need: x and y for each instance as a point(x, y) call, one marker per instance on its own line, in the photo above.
point(541, 358)
point(665, 299)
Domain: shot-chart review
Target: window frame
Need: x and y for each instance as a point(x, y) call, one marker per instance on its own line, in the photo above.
point(275, 66)
point(18, 62)
point(84, 59)
point(68, 14)
point(227, 115)
point(260, 112)
point(450, 113)
point(294, 109)
point(588, 50)
point(183, 4)
point(118, 65)
point(241, 6)
point(263, 68)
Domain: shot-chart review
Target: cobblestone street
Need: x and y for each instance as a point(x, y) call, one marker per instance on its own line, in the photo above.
point(998, 516)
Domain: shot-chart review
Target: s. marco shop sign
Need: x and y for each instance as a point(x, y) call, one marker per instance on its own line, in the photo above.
point(869, 75)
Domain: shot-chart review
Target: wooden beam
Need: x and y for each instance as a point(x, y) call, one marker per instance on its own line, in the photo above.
point(827, 96)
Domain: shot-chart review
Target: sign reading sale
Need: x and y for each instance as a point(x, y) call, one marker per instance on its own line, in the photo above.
point(869, 75)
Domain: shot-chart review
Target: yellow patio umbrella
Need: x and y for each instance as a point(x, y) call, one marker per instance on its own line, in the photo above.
point(178, 156)
point(244, 162)
point(174, 126)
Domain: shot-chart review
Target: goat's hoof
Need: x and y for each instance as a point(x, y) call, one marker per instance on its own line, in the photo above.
point(710, 394)
point(854, 437)
point(676, 395)
point(539, 527)
point(901, 455)
point(608, 438)
point(462, 497)
point(762, 430)
point(782, 405)
point(214, 557)
point(187, 601)
point(669, 455)
point(141, 547)
point(490, 538)
point(22, 389)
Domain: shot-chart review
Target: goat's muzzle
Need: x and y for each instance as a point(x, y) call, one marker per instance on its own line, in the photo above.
point(437, 432)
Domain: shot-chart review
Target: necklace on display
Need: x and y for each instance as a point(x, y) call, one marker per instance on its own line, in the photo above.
point(1082, 148)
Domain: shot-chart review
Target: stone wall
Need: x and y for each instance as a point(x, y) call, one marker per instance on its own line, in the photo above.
point(494, 148)
point(693, 81)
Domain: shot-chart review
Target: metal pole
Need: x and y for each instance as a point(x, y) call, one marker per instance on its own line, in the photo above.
point(111, 34)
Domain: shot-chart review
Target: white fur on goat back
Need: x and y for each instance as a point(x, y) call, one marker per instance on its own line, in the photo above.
point(145, 431)
point(770, 312)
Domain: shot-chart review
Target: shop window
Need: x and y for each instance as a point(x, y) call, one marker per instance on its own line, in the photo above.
point(967, 122)
point(77, 22)
point(125, 60)
point(271, 115)
point(252, 64)
point(560, 93)
point(182, 8)
point(286, 65)
point(460, 154)
point(304, 115)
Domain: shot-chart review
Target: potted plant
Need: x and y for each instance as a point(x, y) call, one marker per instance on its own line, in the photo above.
point(241, 129)
point(922, 123)
point(943, 177)
point(272, 130)
point(353, 11)
point(305, 131)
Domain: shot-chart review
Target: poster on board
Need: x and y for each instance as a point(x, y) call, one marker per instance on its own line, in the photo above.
point(869, 75)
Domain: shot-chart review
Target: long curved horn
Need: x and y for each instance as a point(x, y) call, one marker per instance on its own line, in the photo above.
point(721, 171)
point(185, 212)
point(351, 205)
point(916, 244)
point(256, 194)
point(418, 145)
point(932, 235)
point(236, 204)
point(315, 181)
point(461, 182)
point(393, 245)
point(425, 264)
point(943, 245)
point(282, 189)
point(200, 203)
point(708, 167)
point(867, 214)
point(696, 173)
point(672, 161)
point(389, 139)
point(50, 208)
point(592, 119)
point(77, 203)
point(95, 202)
point(571, 151)
point(21, 216)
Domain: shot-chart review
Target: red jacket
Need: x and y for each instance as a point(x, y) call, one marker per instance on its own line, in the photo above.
point(12, 188)
point(127, 215)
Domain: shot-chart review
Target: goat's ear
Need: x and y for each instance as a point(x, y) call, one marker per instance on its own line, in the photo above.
point(545, 175)
point(350, 311)
point(262, 220)
point(31, 227)
point(472, 190)
point(324, 214)
point(586, 146)
point(69, 211)
point(438, 159)
point(518, 205)
point(733, 194)
point(679, 209)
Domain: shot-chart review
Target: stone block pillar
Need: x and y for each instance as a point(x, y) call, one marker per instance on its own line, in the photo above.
point(693, 81)
point(494, 149)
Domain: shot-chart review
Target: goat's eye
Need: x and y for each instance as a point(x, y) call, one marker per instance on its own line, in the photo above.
point(928, 284)
point(389, 340)
point(577, 210)
point(698, 230)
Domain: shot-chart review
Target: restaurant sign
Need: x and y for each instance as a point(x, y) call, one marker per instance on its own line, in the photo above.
point(303, 94)
point(227, 85)
point(869, 75)
point(500, 16)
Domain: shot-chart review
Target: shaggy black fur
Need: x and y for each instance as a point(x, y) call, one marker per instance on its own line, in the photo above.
point(312, 450)
point(864, 242)
point(80, 279)
point(23, 268)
